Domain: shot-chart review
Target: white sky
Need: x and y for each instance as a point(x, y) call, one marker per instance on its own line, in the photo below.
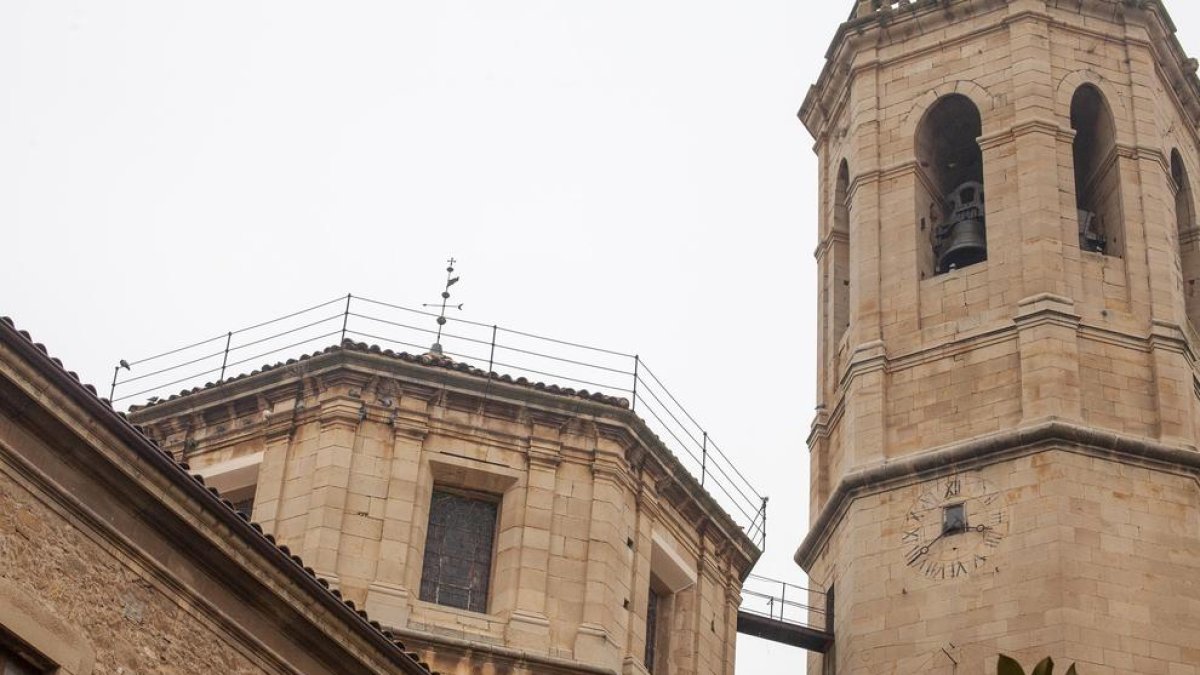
point(628, 174)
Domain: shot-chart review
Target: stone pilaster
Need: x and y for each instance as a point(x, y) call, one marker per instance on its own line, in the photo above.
point(389, 598)
point(1047, 336)
point(638, 592)
point(338, 419)
point(1174, 386)
point(863, 419)
point(279, 426)
point(528, 626)
point(597, 640)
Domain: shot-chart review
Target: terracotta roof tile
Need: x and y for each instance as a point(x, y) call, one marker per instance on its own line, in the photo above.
point(428, 360)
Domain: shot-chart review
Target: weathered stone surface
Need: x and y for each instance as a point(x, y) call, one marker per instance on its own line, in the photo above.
point(348, 484)
point(989, 372)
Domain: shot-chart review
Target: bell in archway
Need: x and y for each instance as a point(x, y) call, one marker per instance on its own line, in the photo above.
point(962, 239)
point(965, 244)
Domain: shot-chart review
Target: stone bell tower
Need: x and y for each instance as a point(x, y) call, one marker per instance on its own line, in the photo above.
point(1004, 457)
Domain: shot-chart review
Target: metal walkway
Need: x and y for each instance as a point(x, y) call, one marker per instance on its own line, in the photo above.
point(785, 613)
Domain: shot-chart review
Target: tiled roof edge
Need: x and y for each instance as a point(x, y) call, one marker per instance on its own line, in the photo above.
point(236, 520)
point(429, 360)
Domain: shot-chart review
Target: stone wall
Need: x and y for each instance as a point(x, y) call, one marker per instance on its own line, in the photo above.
point(126, 616)
point(906, 363)
point(349, 446)
point(113, 559)
point(958, 373)
point(1096, 566)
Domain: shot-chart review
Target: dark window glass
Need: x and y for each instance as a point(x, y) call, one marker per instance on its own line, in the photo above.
point(12, 664)
point(242, 500)
point(954, 518)
point(652, 629)
point(246, 505)
point(458, 551)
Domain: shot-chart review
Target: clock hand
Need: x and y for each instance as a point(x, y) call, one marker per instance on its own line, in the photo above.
point(923, 550)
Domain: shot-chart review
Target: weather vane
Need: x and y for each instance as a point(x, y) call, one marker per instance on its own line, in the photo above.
point(441, 320)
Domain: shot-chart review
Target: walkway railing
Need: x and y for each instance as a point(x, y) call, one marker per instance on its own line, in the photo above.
point(786, 603)
point(489, 346)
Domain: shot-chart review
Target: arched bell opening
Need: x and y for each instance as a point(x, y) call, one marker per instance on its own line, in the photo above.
point(1189, 236)
point(950, 194)
point(1097, 172)
point(841, 254)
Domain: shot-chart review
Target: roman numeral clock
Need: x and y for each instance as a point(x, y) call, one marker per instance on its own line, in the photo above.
point(953, 527)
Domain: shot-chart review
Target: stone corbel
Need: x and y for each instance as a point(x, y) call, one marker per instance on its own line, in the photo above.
point(341, 383)
point(616, 435)
point(416, 397)
point(547, 424)
point(279, 419)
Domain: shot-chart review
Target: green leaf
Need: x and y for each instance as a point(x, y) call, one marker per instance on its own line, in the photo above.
point(1008, 666)
point(1046, 667)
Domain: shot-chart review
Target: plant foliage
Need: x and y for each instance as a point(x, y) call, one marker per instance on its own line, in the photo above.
point(1008, 666)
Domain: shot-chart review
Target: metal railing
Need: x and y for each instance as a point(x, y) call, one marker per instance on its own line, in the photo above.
point(784, 602)
point(488, 346)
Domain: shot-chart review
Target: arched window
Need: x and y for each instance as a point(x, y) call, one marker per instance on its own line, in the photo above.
point(951, 197)
point(1189, 236)
point(1097, 172)
point(841, 254)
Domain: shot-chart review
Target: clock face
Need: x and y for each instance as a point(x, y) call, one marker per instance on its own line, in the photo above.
point(954, 527)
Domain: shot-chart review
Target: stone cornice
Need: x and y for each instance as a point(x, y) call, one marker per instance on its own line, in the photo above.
point(1034, 438)
point(827, 242)
point(488, 652)
point(866, 358)
point(544, 454)
point(1040, 310)
point(868, 34)
point(341, 413)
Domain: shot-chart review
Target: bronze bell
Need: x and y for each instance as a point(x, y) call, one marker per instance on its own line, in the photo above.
point(965, 244)
point(962, 239)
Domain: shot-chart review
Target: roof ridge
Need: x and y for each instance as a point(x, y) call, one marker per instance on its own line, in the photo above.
point(426, 359)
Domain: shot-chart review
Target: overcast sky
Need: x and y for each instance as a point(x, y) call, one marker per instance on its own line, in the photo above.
point(628, 174)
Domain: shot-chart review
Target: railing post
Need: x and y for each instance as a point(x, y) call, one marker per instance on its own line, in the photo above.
point(113, 391)
point(704, 460)
point(225, 358)
point(637, 362)
point(782, 599)
point(346, 317)
point(764, 521)
point(492, 355)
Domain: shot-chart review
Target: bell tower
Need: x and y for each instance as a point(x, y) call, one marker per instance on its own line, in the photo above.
point(1004, 455)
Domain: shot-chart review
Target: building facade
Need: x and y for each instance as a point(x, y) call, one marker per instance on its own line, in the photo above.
point(115, 560)
point(494, 525)
point(1004, 458)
